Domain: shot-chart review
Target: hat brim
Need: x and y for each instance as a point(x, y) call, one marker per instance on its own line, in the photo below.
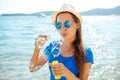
point(54, 15)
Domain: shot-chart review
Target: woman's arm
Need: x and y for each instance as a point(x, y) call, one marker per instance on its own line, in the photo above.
point(85, 75)
point(86, 71)
point(71, 76)
point(36, 60)
point(61, 70)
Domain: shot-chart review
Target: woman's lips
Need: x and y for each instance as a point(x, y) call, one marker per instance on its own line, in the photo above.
point(64, 34)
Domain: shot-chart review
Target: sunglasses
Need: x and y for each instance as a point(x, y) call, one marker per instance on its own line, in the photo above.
point(67, 24)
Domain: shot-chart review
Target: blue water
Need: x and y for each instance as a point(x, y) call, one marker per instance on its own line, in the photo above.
point(17, 35)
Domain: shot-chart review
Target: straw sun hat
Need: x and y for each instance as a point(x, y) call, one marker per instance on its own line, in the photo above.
point(66, 8)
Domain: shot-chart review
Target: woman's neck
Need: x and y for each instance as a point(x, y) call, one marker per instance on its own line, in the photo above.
point(67, 43)
point(67, 49)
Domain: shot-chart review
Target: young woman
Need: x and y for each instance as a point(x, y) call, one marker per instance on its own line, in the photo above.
point(75, 60)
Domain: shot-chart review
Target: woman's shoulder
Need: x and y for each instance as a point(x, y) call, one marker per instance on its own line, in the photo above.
point(89, 55)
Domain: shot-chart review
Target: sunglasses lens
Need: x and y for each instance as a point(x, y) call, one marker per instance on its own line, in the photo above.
point(67, 24)
point(58, 25)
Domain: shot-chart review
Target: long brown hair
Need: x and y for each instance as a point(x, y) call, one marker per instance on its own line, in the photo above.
point(78, 45)
point(79, 48)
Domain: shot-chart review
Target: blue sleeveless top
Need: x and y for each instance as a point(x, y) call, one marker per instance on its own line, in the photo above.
point(69, 62)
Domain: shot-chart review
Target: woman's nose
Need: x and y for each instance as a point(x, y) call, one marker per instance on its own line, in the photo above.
point(63, 27)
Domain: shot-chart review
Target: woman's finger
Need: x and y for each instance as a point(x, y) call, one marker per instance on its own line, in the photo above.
point(43, 36)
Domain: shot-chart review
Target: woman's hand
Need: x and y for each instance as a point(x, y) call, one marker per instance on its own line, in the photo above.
point(59, 69)
point(40, 40)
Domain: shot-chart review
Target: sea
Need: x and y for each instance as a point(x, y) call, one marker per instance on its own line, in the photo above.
point(17, 38)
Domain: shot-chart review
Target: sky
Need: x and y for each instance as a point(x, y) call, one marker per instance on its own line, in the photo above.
point(31, 6)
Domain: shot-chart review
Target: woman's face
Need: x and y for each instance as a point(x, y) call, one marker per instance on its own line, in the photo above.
point(67, 33)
